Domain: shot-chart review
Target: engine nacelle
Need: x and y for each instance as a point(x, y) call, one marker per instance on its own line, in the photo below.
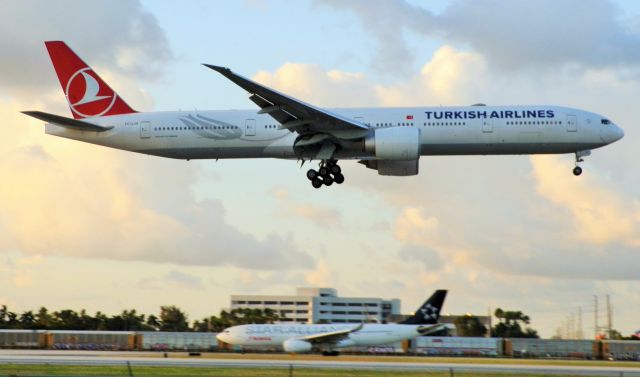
point(296, 346)
point(396, 168)
point(394, 143)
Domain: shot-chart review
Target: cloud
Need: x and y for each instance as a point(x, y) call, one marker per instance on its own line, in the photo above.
point(386, 21)
point(428, 257)
point(173, 279)
point(331, 88)
point(600, 214)
point(118, 34)
point(588, 33)
point(322, 276)
point(451, 77)
point(322, 217)
point(116, 205)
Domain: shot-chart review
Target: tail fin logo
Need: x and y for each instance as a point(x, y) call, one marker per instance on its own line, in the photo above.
point(88, 96)
point(429, 312)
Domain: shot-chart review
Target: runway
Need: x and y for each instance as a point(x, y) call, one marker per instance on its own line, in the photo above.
point(105, 358)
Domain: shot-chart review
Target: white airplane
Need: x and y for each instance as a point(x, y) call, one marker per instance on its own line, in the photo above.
point(389, 140)
point(299, 338)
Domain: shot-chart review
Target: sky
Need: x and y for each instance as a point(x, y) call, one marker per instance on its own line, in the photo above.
point(83, 226)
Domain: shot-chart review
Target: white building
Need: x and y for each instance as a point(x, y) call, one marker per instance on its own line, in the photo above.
point(321, 305)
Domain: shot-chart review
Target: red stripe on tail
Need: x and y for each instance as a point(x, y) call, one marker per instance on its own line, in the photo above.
point(87, 94)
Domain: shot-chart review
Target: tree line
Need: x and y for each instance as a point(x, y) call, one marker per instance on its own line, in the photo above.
point(511, 324)
point(170, 318)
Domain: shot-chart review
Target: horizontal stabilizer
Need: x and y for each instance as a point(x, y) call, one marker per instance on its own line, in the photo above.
point(66, 122)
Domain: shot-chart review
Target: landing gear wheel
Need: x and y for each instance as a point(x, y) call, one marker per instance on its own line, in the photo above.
point(330, 353)
point(327, 180)
point(577, 171)
point(338, 178)
point(316, 183)
point(335, 169)
point(324, 171)
point(312, 174)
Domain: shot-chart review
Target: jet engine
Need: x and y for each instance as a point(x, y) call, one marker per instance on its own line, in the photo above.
point(296, 346)
point(394, 143)
point(397, 150)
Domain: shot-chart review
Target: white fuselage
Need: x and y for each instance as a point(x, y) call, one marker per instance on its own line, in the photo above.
point(276, 335)
point(471, 130)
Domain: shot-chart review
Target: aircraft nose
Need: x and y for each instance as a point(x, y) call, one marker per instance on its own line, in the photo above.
point(611, 134)
point(619, 133)
point(223, 336)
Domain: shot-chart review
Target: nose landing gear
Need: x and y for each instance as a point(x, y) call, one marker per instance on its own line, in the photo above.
point(328, 173)
point(579, 154)
point(577, 171)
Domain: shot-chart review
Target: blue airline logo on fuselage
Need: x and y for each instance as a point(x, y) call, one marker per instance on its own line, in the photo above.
point(479, 114)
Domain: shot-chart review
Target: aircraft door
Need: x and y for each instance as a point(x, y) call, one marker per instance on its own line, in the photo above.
point(145, 130)
point(572, 123)
point(487, 125)
point(250, 127)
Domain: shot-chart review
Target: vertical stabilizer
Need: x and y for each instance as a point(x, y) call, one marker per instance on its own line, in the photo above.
point(87, 94)
point(429, 312)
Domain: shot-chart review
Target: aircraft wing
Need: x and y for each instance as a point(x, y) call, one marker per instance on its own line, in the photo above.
point(316, 124)
point(331, 337)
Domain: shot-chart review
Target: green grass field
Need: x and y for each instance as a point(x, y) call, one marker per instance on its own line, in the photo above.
point(60, 370)
point(55, 370)
point(418, 359)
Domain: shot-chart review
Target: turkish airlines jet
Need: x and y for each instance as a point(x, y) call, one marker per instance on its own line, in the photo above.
point(327, 338)
point(389, 140)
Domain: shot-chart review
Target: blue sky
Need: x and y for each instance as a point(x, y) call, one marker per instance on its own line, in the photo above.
point(115, 230)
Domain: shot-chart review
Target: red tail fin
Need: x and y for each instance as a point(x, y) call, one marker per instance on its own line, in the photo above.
point(87, 94)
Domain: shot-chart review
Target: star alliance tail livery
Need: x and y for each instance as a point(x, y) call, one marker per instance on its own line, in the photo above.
point(328, 338)
point(389, 140)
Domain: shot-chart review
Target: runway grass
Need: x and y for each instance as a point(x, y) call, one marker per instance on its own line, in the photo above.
point(8, 370)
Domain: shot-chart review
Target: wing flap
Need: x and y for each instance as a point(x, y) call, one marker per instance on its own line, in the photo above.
point(61, 121)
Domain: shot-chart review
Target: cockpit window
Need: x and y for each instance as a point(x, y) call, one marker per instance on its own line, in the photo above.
point(605, 121)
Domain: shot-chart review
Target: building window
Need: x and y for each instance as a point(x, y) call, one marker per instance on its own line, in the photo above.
point(271, 302)
point(338, 304)
point(301, 303)
point(286, 302)
point(239, 302)
point(255, 302)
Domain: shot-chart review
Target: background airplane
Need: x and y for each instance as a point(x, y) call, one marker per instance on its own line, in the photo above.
point(389, 140)
point(327, 338)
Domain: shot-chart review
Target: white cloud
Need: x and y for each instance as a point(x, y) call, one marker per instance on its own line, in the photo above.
point(600, 214)
point(173, 279)
point(310, 82)
point(511, 36)
point(119, 34)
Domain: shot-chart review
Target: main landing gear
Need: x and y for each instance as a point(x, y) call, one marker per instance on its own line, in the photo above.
point(328, 173)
